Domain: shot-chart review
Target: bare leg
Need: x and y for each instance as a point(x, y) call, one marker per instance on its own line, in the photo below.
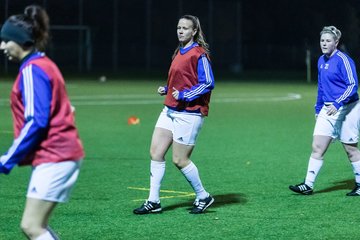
point(352, 151)
point(181, 154)
point(160, 143)
point(354, 156)
point(36, 216)
point(319, 146)
point(181, 158)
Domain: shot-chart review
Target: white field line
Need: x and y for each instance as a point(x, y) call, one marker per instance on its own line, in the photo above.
point(148, 99)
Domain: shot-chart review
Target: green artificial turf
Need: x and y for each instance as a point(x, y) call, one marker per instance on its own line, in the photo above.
point(254, 144)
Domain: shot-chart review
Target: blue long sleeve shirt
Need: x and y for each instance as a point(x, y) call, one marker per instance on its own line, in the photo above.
point(337, 81)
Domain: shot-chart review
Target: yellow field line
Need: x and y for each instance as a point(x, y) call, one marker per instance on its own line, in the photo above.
point(180, 194)
point(165, 191)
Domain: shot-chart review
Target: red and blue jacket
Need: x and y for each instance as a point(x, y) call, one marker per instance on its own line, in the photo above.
point(191, 74)
point(44, 127)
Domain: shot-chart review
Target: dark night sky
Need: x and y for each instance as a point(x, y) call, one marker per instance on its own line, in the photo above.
point(265, 35)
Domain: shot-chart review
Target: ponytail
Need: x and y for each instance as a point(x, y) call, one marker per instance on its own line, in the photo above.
point(40, 28)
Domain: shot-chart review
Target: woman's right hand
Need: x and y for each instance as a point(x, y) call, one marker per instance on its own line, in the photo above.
point(161, 91)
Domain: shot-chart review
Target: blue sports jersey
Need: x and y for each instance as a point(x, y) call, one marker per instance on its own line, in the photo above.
point(337, 81)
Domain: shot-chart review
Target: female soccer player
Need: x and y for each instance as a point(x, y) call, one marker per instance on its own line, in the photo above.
point(45, 133)
point(188, 91)
point(336, 110)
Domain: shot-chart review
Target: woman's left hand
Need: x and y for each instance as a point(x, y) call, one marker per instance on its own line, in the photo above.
point(175, 93)
point(331, 110)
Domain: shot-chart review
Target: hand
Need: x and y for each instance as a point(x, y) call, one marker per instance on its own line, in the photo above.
point(175, 93)
point(331, 110)
point(161, 91)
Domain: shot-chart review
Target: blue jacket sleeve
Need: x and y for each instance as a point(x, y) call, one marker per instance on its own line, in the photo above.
point(348, 72)
point(36, 92)
point(205, 81)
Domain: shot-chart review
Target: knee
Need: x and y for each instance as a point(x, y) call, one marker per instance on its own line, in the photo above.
point(316, 148)
point(317, 151)
point(152, 153)
point(155, 155)
point(353, 153)
point(176, 162)
point(180, 162)
point(30, 230)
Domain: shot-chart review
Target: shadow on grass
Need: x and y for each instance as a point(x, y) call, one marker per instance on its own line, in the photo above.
point(220, 200)
point(341, 185)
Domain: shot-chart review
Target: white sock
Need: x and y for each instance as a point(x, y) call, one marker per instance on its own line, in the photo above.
point(356, 169)
point(46, 236)
point(312, 171)
point(157, 172)
point(191, 173)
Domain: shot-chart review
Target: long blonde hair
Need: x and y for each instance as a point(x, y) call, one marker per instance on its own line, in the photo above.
point(199, 36)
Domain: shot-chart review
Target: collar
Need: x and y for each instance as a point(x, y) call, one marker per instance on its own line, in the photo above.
point(185, 50)
point(335, 51)
point(31, 56)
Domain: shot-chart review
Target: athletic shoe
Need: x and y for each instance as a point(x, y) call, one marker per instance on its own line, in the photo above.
point(301, 188)
point(355, 191)
point(148, 207)
point(200, 205)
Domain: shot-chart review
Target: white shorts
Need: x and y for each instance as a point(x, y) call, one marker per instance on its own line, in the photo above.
point(344, 125)
point(184, 126)
point(53, 181)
